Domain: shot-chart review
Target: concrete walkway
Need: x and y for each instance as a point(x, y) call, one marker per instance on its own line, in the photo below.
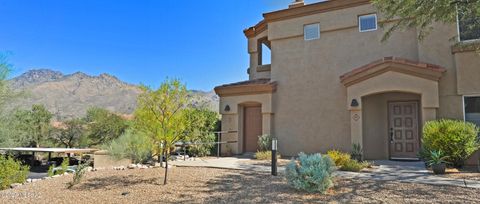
point(412, 172)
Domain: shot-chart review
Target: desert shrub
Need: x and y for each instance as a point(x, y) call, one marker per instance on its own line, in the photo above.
point(265, 155)
point(311, 173)
point(456, 139)
point(340, 158)
point(131, 145)
point(63, 167)
point(354, 165)
point(78, 175)
point(203, 146)
point(357, 152)
point(11, 171)
point(200, 123)
point(264, 142)
point(50, 170)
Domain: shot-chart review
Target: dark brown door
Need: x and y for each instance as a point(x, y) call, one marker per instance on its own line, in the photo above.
point(403, 130)
point(252, 128)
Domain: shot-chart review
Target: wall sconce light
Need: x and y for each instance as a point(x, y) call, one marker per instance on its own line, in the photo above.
point(227, 108)
point(354, 103)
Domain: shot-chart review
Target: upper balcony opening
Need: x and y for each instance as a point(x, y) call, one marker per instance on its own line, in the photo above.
point(264, 52)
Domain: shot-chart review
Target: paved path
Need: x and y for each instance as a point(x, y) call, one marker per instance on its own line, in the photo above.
point(412, 172)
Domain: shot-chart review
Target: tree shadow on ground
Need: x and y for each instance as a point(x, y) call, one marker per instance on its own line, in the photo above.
point(248, 187)
point(112, 182)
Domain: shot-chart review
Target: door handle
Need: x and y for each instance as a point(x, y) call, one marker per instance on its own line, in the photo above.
point(391, 135)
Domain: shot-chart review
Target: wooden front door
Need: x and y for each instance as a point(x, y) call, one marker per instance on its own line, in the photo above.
point(252, 124)
point(403, 130)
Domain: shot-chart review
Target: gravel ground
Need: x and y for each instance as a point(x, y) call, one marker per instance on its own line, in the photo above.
point(207, 185)
point(469, 174)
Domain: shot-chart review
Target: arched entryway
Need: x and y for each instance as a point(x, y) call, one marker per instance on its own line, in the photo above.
point(389, 100)
point(391, 125)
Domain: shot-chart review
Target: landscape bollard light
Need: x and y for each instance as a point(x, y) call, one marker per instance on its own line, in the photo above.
point(274, 157)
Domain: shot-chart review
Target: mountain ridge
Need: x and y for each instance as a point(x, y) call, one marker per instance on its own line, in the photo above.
point(70, 95)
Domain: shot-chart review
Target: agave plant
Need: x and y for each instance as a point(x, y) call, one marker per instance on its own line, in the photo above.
point(437, 157)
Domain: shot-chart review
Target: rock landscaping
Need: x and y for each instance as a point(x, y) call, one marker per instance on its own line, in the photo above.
point(209, 185)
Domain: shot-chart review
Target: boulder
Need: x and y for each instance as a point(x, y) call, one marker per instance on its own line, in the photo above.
point(15, 185)
point(132, 166)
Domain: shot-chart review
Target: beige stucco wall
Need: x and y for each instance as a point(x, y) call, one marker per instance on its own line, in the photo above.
point(468, 73)
point(310, 104)
point(233, 120)
point(375, 122)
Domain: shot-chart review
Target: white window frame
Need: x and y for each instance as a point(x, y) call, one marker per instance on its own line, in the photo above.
point(360, 25)
point(304, 33)
point(460, 37)
point(463, 105)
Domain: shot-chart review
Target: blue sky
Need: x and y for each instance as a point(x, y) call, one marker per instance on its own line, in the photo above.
point(139, 41)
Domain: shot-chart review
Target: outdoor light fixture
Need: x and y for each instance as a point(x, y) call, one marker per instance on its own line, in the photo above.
point(274, 156)
point(354, 103)
point(227, 108)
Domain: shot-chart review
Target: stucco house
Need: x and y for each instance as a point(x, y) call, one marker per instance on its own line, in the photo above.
point(330, 82)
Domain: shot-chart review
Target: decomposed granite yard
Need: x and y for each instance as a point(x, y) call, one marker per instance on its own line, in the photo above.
point(210, 185)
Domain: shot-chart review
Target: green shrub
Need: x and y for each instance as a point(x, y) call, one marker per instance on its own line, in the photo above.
point(11, 171)
point(456, 139)
point(357, 152)
point(311, 173)
point(264, 142)
point(354, 165)
point(204, 145)
point(340, 158)
point(63, 167)
point(131, 145)
point(78, 175)
point(50, 172)
point(265, 155)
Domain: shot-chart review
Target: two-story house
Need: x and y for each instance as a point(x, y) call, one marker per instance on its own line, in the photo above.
point(331, 82)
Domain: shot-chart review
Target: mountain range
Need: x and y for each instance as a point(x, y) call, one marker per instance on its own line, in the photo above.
point(70, 95)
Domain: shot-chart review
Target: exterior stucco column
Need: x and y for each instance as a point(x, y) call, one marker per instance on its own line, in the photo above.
point(356, 126)
point(230, 124)
point(267, 123)
point(428, 114)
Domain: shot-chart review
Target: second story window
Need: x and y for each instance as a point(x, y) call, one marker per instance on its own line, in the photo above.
point(311, 31)
point(367, 22)
point(264, 52)
point(468, 26)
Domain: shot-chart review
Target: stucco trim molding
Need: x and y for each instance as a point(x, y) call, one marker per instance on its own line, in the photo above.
point(314, 8)
point(256, 86)
point(299, 11)
point(401, 65)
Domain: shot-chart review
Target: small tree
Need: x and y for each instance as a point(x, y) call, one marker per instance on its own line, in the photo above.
point(5, 91)
point(35, 123)
point(159, 115)
point(423, 14)
point(69, 135)
point(104, 126)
